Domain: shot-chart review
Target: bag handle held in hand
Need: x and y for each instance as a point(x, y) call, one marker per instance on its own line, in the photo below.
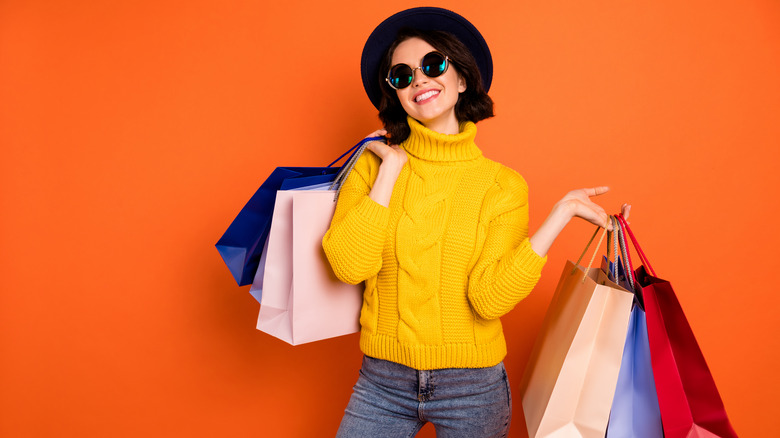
point(627, 264)
point(616, 248)
point(639, 251)
point(618, 243)
point(353, 150)
point(621, 250)
point(601, 239)
point(346, 169)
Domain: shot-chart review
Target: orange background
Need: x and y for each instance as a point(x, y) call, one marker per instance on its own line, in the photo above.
point(133, 132)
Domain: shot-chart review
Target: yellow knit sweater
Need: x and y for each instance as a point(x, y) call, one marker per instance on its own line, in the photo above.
point(444, 261)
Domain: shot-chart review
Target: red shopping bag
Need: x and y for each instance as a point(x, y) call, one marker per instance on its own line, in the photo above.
point(690, 403)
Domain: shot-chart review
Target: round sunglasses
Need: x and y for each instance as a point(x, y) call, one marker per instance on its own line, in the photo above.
point(433, 64)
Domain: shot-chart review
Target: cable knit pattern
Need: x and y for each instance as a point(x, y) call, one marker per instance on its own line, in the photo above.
point(444, 261)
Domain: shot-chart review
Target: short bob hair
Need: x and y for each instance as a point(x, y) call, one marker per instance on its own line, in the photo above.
point(473, 105)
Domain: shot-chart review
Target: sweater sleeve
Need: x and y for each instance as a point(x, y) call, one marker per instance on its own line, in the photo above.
point(508, 268)
point(353, 243)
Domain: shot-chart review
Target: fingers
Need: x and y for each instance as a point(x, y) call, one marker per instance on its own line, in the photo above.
point(605, 221)
point(583, 207)
point(377, 146)
point(601, 219)
point(595, 191)
point(586, 209)
point(626, 210)
point(388, 153)
point(377, 133)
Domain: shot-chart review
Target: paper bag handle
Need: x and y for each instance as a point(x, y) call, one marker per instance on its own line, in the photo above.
point(346, 169)
point(615, 236)
point(617, 241)
point(353, 149)
point(601, 239)
point(627, 263)
point(639, 251)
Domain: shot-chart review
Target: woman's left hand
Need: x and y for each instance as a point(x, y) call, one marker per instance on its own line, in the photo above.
point(577, 203)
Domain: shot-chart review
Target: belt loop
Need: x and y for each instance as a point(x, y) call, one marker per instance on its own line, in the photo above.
point(424, 385)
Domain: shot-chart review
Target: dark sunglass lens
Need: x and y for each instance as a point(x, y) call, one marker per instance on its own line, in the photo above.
point(434, 64)
point(400, 76)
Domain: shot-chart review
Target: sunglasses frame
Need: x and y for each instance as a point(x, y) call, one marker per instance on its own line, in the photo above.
point(446, 67)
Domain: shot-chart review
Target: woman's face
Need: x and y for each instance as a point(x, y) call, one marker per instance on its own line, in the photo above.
point(431, 101)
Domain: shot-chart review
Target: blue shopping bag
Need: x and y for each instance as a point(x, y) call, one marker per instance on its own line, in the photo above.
point(243, 241)
point(635, 410)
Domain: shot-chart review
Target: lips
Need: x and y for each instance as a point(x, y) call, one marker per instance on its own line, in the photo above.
point(426, 95)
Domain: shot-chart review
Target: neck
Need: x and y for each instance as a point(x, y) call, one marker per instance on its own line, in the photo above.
point(443, 125)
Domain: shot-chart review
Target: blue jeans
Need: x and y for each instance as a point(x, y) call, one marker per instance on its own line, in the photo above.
point(392, 400)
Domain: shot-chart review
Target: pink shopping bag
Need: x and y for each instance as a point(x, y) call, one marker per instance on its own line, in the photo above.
point(302, 300)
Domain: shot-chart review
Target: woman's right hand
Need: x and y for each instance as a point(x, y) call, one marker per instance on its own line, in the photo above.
point(393, 160)
point(391, 155)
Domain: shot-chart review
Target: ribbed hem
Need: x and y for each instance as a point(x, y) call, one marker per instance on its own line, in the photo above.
point(430, 145)
point(433, 357)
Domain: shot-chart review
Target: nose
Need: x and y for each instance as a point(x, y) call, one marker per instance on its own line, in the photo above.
point(418, 76)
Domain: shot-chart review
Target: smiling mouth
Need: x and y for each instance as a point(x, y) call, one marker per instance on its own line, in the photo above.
point(425, 96)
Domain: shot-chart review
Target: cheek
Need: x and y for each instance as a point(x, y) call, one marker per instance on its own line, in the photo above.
point(403, 97)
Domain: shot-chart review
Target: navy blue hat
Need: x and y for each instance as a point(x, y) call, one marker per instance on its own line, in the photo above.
point(426, 18)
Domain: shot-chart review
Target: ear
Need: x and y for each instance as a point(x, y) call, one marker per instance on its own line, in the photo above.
point(461, 84)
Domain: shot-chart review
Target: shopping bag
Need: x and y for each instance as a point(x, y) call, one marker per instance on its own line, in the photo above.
point(302, 300)
point(256, 290)
point(635, 411)
point(689, 400)
point(570, 378)
point(242, 243)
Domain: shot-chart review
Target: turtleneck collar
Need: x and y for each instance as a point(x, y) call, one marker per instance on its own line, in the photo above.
point(430, 145)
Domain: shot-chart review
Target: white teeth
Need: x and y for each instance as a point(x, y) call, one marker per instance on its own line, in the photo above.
point(426, 95)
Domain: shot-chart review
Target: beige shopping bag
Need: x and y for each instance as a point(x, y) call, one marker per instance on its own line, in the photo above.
point(302, 300)
point(570, 379)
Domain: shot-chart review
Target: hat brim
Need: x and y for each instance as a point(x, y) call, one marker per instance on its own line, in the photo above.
point(424, 18)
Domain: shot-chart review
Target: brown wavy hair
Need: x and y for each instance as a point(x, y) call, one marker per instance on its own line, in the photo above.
point(473, 105)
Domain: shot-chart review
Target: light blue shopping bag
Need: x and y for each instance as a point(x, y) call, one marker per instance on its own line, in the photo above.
point(635, 410)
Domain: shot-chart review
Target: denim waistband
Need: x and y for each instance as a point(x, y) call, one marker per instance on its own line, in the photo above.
point(429, 384)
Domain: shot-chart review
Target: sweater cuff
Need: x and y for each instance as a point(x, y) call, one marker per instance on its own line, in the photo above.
point(374, 213)
point(529, 259)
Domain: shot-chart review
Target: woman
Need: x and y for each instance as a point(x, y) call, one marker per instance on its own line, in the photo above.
point(439, 235)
